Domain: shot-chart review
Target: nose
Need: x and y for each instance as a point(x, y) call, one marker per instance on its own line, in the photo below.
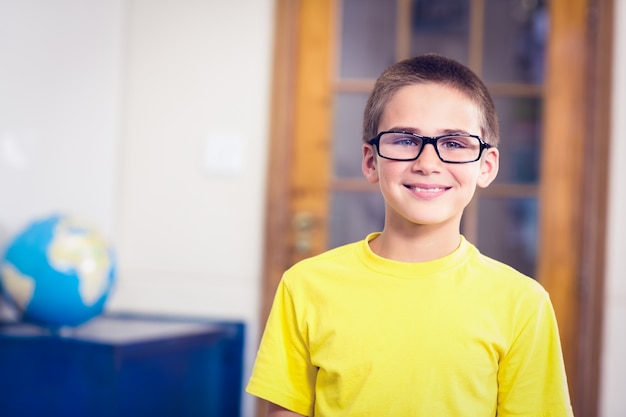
point(428, 160)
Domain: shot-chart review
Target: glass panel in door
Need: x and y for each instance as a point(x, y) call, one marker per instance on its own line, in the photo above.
point(509, 231)
point(346, 135)
point(516, 32)
point(368, 36)
point(520, 139)
point(442, 27)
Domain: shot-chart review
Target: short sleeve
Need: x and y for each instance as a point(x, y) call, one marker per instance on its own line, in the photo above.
point(283, 373)
point(531, 377)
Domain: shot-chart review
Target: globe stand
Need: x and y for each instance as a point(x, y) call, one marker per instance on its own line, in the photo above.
point(8, 311)
point(11, 315)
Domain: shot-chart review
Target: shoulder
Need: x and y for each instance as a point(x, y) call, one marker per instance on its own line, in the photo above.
point(494, 268)
point(513, 298)
point(345, 255)
point(323, 273)
point(500, 277)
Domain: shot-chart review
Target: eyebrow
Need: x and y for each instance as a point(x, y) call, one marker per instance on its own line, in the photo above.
point(442, 132)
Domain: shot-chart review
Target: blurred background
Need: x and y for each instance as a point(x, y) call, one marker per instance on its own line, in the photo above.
point(214, 143)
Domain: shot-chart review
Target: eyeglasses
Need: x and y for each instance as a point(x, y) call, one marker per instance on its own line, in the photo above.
point(456, 148)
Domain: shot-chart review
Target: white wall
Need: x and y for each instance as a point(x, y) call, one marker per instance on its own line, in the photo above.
point(193, 159)
point(148, 118)
point(613, 379)
point(189, 232)
point(60, 69)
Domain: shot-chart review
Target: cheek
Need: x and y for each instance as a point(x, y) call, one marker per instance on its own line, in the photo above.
point(465, 176)
point(394, 167)
point(390, 172)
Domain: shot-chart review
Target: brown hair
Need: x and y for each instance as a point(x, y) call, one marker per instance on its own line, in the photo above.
point(431, 68)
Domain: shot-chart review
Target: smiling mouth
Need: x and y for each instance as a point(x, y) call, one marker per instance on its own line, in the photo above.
point(427, 190)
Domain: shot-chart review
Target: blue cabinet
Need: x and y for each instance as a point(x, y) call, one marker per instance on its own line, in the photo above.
point(122, 366)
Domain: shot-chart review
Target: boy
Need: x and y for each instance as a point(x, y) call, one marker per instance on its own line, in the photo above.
point(414, 321)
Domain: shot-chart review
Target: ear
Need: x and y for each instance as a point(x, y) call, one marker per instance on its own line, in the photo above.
point(489, 164)
point(368, 164)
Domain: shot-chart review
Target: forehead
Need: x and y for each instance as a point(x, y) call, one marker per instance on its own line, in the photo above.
point(430, 108)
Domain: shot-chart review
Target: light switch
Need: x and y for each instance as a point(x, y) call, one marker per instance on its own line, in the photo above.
point(224, 154)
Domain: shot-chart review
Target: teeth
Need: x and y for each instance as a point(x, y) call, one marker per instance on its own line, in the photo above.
point(428, 190)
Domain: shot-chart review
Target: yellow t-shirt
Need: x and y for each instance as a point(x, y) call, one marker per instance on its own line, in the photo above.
point(354, 334)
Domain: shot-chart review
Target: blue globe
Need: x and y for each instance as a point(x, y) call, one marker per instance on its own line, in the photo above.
point(58, 272)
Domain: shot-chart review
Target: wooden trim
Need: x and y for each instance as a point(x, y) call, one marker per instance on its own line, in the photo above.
point(517, 90)
point(595, 189)
point(313, 126)
point(476, 35)
point(509, 191)
point(338, 7)
point(574, 189)
point(562, 169)
point(353, 184)
point(354, 85)
point(277, 228)
point(469, 224)
point(403, 29)
point(496, 89)
point(277, 216)
point(292, 97)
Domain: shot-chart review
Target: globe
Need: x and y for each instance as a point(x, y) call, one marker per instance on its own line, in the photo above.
point(58, 272)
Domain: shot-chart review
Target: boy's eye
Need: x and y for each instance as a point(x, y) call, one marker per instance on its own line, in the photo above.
point(455, 142)
point(407, 141)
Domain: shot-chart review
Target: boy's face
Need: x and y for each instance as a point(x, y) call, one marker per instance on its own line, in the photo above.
point(428, 191)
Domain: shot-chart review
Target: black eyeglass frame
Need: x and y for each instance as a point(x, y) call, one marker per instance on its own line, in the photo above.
point(429, 140)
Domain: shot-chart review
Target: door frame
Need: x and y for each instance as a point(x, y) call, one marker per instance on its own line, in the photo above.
point(573, 190)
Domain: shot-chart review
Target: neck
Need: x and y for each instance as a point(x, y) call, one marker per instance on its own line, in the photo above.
point(416, 243)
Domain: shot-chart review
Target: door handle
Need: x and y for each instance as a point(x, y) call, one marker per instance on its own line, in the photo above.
point(303, 224)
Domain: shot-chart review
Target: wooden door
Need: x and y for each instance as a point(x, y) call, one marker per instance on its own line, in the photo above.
point(563, 112)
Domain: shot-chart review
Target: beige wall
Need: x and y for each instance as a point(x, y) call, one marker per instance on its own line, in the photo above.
point(148, 118)
point(60, 73)
point(192, 159)
point(189, 224)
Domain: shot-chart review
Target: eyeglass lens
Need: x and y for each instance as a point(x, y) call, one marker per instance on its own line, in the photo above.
point(450, 148)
